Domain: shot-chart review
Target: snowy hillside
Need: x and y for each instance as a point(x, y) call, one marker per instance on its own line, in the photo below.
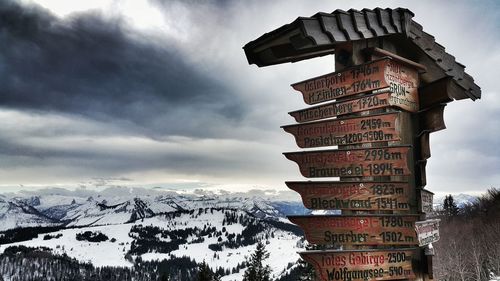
point(208, 236)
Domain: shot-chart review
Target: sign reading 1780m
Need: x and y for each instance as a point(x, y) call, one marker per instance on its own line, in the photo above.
point(373, 230)
point(379, 74)
point(362, 265)
point(364, 162)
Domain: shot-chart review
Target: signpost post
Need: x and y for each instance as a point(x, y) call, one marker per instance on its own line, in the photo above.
point(387, 94)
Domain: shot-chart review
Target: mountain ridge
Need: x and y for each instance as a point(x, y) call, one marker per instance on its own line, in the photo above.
point(123, 205)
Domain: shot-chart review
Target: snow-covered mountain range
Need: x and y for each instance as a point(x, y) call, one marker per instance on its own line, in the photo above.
point(117, 205)
point(220, 228)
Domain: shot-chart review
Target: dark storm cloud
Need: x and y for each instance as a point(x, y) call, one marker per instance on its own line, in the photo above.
point(92, 66)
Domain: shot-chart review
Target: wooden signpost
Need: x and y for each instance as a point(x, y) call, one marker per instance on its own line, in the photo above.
point(389, 155)
point(394, 86)
point(387, 94)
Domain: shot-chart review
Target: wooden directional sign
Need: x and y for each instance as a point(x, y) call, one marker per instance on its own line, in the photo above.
point(334, 109)
point(426, 201)
point(326, 195)
point(358, 229)
point(344, 131)
point(378, 74)
point(403, 82)
point(362, 265)
point(364, 162)
point(427, 231)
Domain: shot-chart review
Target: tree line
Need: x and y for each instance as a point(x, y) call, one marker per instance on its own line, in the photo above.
point(469, 247)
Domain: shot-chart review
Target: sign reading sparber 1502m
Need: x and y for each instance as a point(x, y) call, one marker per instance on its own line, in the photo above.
point(344, 131)
point(365, 162)
point(378, 74)
point(362, 265)
point(328, 195)
point(358, 229)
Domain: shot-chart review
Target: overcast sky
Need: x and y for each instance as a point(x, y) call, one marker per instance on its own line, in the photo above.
point(159, 93)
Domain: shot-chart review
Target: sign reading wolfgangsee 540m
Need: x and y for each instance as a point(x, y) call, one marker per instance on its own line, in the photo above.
point(387, 86)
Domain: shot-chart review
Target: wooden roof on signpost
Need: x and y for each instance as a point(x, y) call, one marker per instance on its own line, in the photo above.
point(320, 34)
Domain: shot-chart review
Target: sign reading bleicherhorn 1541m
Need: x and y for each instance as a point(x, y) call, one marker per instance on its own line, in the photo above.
point(364, 162)
point(328, 195)
point(357, 265)
point(358, 229)
point(378, 74)
point(344, 131)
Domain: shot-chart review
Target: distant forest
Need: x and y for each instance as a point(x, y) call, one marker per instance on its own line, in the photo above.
point(469, 247)
point(21, 263)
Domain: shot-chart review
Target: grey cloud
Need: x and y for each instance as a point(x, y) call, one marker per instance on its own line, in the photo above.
point(89, 65)
point(200, 85)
